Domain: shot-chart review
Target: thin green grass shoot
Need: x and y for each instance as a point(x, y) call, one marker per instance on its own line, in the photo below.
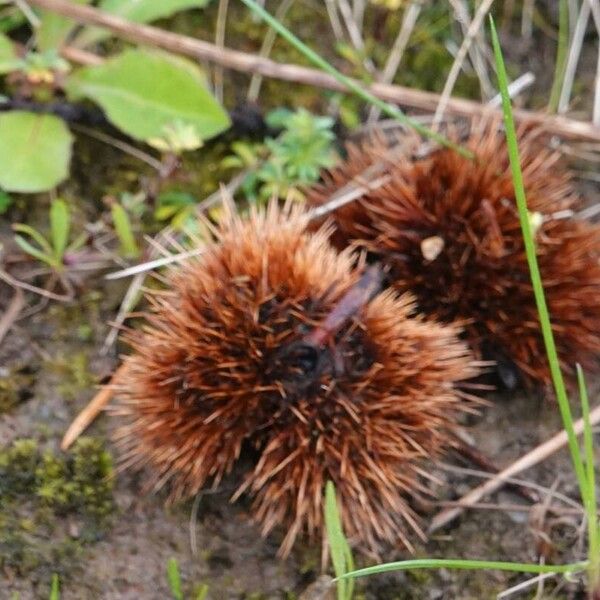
point(353, 86)
point(55, 588)
point(466, 564)
point(590, 503)
point(534, 271)
point(561, 55)
point(341, 554)
point(174, 579)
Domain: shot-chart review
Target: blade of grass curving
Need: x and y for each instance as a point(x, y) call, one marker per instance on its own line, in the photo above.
point(352, 85)
point(341, 555)
point(590, 501)
point(33, 251)
point(35, 235)
point(561, 55)
point(534, 271)
point(456, 563)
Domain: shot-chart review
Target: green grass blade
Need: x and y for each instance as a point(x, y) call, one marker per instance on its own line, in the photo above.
point(174, 579)
point(33, 251)
point(536, 279)
point(561, 55)
point(341, 555)
point(60, 225)
point(124, 231)
point(452, 563)
point(35, 235)
point(590, 501)
point(55, 588)
point(389, 109)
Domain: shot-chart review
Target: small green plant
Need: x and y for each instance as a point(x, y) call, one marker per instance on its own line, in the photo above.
point(174, 580)
point(55, 250)
point(283, 165)
point(176, 207)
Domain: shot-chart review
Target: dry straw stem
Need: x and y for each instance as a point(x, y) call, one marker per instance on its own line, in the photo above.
point(532, 458)
point(12, 312)
point(472, 31)
point(240, 61)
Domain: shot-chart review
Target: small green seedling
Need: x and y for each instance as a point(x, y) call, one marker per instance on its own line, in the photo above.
point(124, 231)
point(294, 159)
point(54, 251)
point(176, 207)
point(174, 579)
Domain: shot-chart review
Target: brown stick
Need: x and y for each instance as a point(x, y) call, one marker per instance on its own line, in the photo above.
point(249, 63)
point(532, 458)
point(83, 420)
point(12, 312)
point(473, 455)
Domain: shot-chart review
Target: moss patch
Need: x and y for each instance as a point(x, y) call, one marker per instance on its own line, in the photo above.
point(15, 387)
point(52, 503)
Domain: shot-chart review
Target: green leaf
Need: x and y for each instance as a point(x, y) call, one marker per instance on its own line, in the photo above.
point(35, 151)
point(60, 224)
point(174, 579)
point(35, 235)
point(137, 11)
point(124, 231)
point(145, 93)
point(54, 28)
point(33, 251)
point(54, 590)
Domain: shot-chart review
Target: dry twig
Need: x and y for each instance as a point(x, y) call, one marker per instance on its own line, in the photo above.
point(241, 61)
point(12, 312)
point(532, 458)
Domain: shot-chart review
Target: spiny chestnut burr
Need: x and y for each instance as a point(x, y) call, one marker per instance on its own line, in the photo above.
point(274, 344)
point(448, 229)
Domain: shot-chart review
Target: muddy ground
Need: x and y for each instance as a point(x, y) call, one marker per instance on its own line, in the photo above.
point(124, 554)
point(106, 540)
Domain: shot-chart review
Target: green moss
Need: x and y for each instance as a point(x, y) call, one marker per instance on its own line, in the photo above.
point(14, 388)
point(74, 374)
point(18, 467)
point(38, 488)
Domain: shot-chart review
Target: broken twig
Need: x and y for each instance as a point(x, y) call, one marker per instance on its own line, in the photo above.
point(532, 458)
point(249, 63)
